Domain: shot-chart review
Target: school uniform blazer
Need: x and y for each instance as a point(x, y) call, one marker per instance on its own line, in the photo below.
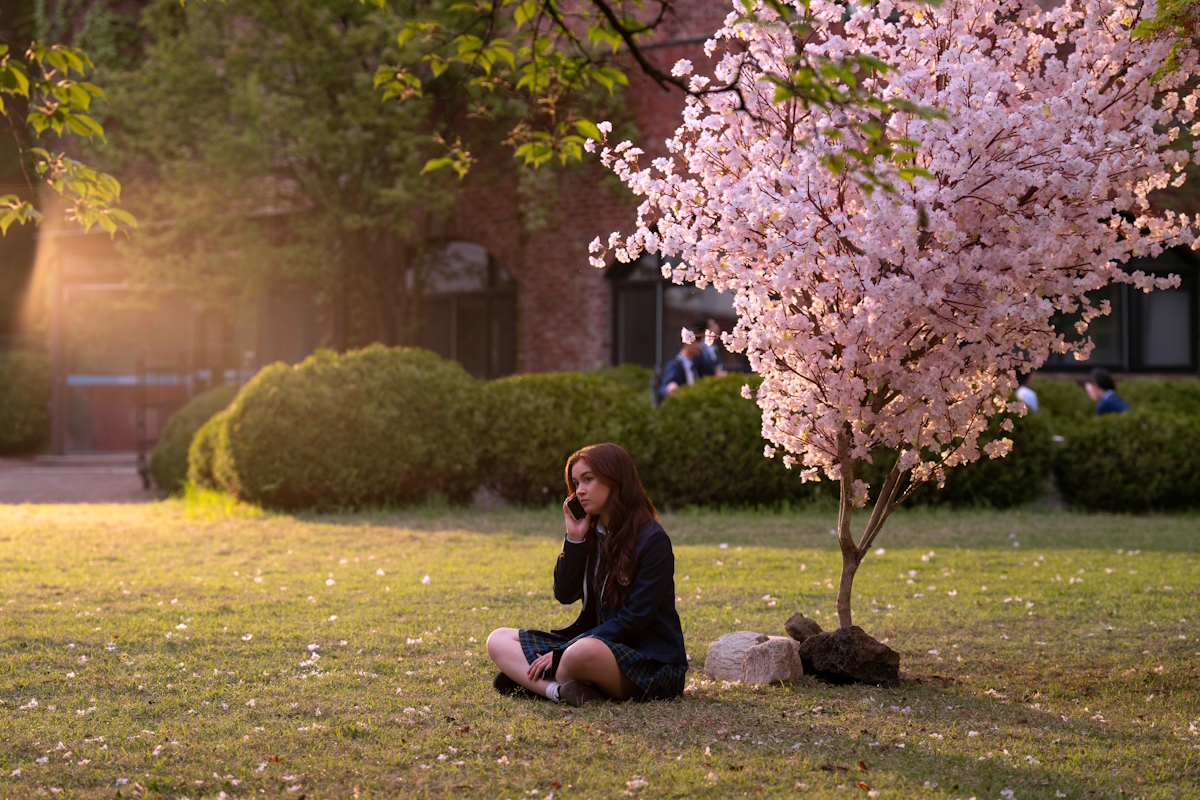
point(1111, 403)
point(647, 621)
point(673, 372)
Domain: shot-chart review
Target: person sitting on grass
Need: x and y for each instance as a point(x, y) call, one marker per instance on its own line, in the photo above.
point(627, 643)
point(1103, 391)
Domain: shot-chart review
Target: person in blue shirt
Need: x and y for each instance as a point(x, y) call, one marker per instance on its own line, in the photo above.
point(1103, 391)
point(627, 643)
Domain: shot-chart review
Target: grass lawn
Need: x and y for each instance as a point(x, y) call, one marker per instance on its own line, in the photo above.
point(189, 650)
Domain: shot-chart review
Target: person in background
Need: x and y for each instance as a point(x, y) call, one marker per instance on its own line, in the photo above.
point(1025, 394)
point(686, 367)
point(710, 354)
point(1103, 391)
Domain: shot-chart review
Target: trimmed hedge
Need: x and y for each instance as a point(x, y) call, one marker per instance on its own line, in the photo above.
point(634, 377)
point(1064, 400)
point(710, 450)
point(1132, 462)
point(203, 452)
point(399, 425)
point(1161, 395)
point(169, 461)
point(24, 402)
point(534, 422)
point(371, 426)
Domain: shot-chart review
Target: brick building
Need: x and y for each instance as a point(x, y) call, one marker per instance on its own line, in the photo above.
point(508, 299)
point(570, 315)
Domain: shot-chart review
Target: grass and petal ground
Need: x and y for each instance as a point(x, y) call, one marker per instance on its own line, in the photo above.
point(189, 649)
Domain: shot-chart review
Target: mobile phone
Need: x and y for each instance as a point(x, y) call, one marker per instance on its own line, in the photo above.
point(576, 508)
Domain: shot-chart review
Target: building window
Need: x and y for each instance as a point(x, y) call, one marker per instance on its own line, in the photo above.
point(469, 311)
point(649, 311)
point(1155, 332)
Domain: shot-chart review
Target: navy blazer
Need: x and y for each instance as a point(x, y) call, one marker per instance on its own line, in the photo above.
point(673, 372)
point(647, 621)
point(1111, 403)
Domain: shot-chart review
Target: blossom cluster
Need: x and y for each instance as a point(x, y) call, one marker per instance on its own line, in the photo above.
point(900, 319)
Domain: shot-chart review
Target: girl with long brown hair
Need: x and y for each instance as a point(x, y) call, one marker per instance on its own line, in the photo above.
point(627, 643)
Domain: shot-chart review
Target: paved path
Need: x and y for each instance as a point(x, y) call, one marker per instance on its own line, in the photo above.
point(72, 479)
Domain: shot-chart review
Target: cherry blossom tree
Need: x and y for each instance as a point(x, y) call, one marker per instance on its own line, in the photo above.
point(896, 319)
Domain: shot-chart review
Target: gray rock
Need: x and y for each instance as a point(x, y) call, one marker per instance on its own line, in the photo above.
point(776, 660)
point(849, 655)
point(726, 654)
point(800, 627)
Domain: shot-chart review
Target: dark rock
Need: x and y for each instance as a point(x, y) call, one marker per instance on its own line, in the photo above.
point(849, 655)
point(800, 627)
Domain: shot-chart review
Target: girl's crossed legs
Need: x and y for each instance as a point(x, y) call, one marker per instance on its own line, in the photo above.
point(588, 661)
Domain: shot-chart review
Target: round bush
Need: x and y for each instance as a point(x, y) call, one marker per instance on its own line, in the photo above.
point(372, 426)
point(1064, 400)
point(534, 422)
point(633, 376)
point(1132, 462)
point(169, 461)
point(1163, 396)
point(202, 453)
point(24, 399)
point(709, 450)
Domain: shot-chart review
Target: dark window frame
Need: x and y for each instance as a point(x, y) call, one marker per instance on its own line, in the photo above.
point(1132, 308)
point(625, 282)
point(500, 300)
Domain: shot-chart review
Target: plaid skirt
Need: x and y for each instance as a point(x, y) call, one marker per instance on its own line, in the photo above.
point(656, 680)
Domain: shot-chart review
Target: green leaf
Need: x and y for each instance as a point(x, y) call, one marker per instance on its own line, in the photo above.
point(608, 77)
point(505, 54)
point(406, 33)
point(434, 164)
point(588, 129)
point(524, 12)
point(13, 80)
point(124, 216)
point(467, 44)
point(602, 34)
point(534, 153)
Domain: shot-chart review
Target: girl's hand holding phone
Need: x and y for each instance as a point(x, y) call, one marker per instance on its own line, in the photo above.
point(576, 528)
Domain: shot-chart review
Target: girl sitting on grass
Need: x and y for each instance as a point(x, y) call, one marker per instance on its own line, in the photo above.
point(627, 643)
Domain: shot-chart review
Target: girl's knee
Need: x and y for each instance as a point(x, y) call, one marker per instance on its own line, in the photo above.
point(582, 652)
point(498, 637)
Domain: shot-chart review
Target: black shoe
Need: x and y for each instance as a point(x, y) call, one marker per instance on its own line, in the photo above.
point(508, 687)
point(578, 694)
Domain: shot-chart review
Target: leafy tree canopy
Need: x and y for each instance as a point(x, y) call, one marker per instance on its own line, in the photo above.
point(260, 144)
point(45, 97)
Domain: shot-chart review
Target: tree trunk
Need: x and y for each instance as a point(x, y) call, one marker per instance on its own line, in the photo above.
point(846, 584)
point(850, 552)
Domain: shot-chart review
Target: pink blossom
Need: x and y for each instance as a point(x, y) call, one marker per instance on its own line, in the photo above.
point(899, 320)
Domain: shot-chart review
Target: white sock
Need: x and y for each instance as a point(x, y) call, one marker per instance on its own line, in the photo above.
point(552, 691)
